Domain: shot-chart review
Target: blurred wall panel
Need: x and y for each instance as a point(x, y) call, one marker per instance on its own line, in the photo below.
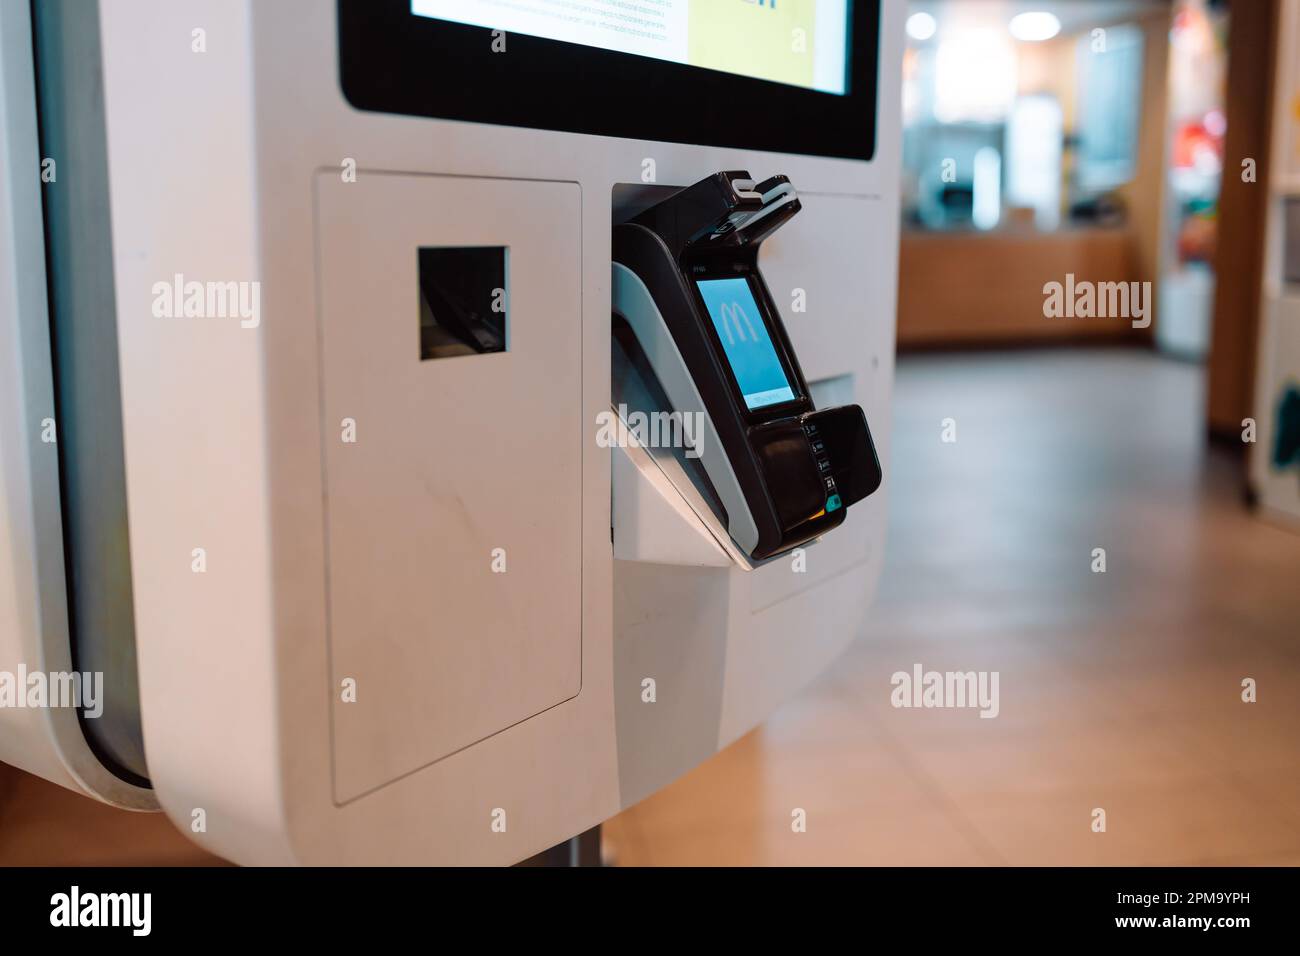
point(1239, 258)
point(1144, 195)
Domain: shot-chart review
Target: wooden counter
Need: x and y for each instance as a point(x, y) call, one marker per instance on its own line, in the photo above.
point(976, 288)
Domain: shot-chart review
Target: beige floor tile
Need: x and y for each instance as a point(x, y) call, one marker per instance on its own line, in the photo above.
point(901, 837)
point(43, 824)
point(1191, 820)
point(1119, 690)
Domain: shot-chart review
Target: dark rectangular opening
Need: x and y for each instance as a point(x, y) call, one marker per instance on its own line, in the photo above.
point(464, 301)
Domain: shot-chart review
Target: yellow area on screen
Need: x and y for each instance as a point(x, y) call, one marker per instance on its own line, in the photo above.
point(767, 39)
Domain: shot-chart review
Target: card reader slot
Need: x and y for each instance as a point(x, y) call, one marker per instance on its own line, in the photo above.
point(854, 465)
point(783, 451)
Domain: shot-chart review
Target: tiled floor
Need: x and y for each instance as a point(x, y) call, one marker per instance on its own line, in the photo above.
point(43, 824)
point(1119, 691)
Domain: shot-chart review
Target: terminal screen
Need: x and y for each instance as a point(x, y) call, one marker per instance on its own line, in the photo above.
point(746, 342)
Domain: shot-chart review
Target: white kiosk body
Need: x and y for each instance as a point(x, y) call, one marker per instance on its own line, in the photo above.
point(391, 606)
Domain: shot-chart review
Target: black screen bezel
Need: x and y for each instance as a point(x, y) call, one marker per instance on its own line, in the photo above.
point(393, 61)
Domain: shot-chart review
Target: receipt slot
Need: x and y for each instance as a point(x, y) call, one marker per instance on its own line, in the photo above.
point(687, 282)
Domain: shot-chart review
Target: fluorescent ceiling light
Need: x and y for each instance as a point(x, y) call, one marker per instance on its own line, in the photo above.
point(1034, 26)
point(921, 26)
point(974, 76)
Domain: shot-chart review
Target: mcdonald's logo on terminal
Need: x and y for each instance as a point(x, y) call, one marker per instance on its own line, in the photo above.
point(734, 322)
point(746, 341)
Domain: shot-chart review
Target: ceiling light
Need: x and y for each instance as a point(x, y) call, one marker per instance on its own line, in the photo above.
point(921, 26)
point(1035, 26)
